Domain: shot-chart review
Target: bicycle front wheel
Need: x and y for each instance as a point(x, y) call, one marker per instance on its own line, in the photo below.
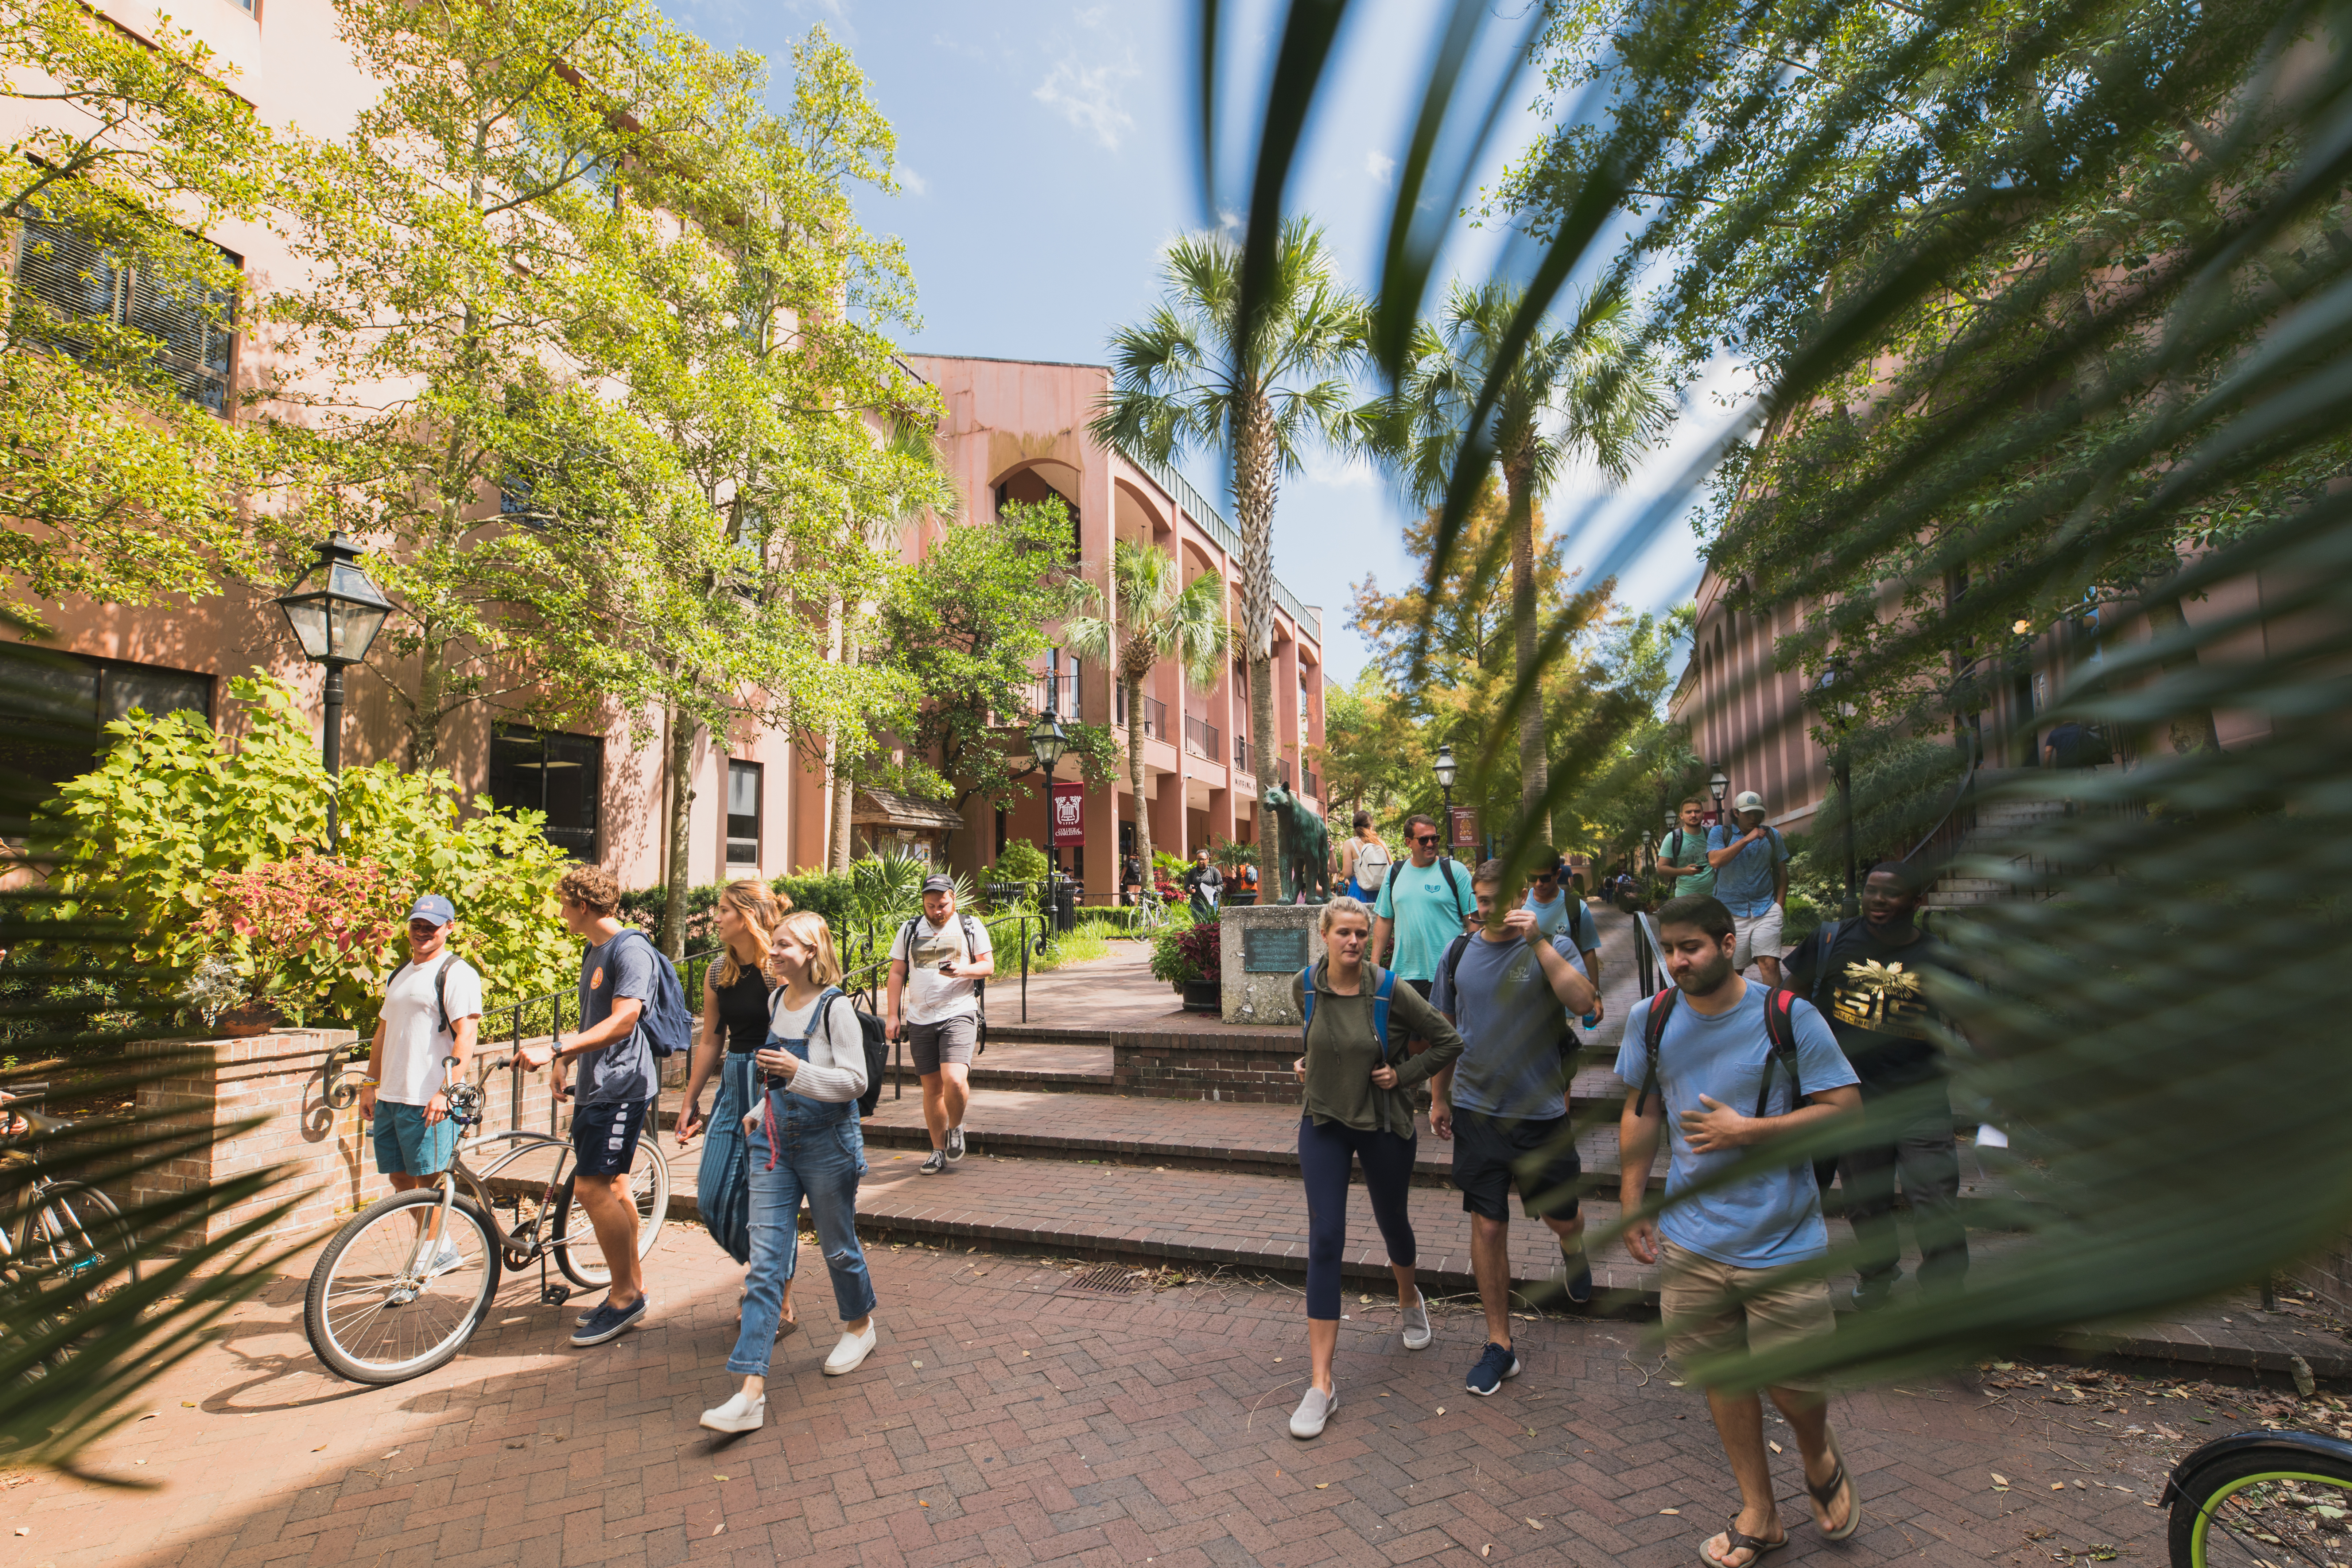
point(2280, 1503)
point(75, 1232)
point(577, 1251)
point(388, 1301)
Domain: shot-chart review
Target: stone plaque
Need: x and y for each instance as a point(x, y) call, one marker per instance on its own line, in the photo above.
point(1274, 951)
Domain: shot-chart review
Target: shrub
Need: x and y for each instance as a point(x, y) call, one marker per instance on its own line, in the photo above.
point(171, 807)
point(308, 928)
point(1021, 861)
point(1184, 955)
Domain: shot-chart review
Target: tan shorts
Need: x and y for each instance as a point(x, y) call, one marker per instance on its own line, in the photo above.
point(1758, 937)
point(1712, 1310)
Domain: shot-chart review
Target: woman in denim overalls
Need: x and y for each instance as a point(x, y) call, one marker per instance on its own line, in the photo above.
point(805, 1141)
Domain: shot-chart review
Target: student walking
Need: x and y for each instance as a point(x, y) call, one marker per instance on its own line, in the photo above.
point(1363, 860)
point(734, 1024)
point(1867, 975)
point(627, 989)
point(431, 1009)
point(805, 1143)
point(1205, 885)
point(1561, 911)
point(1722, 1065)
point(1357, 1110)
point(1424, 904)
point(1682, 854)
point(1751, 876)
point(1505, 1102)
point(939, 963)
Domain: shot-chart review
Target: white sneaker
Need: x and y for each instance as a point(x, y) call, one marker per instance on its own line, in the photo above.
point(850, 1352)
point(444, 1260)
point(744, 1413)
point(1416, 1323)
point(1313, 1411)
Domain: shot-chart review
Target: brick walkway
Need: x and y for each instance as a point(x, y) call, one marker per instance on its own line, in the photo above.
point(1004, 1424)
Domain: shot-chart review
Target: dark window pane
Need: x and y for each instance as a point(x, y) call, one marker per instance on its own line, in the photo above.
point(154, 692)
point(561, 776)
point(83, 694)
point(743, 781)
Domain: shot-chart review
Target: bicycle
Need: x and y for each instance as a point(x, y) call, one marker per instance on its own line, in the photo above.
point(2261, 1498)
point(397, 1293)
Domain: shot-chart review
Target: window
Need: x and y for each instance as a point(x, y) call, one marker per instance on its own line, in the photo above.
point(742, 813)
point(83, 696)
point(58, 266)
point(536, 769)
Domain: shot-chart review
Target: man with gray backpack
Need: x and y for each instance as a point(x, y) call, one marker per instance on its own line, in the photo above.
point(940, 965)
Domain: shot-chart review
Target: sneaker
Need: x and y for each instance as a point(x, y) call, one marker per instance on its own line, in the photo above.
point(937, 1163)
point(445, 1260)
point(955, 1145)
point(1313, 1411)
point(741, 1414)
point(610, 1322)
point(1493, 1367)
point(850, 1352)
point(1416, 1323)
point(1576, 1276)
point(1864, 1299)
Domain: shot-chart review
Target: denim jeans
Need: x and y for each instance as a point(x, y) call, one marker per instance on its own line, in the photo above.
point(823, 1162)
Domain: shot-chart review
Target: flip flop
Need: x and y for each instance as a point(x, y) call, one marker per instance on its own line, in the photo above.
point(1735, 1540)
point(1826, 1494)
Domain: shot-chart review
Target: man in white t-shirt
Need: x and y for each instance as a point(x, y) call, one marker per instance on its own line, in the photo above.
point(937, 963)
point(432, 1007)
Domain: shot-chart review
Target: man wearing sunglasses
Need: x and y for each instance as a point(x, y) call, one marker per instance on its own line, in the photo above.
point(1423, 905)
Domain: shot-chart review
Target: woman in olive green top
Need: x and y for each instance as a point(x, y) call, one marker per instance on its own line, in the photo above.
point(1359, 1107)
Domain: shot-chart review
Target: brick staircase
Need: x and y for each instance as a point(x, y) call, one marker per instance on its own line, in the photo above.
point(1999, 824)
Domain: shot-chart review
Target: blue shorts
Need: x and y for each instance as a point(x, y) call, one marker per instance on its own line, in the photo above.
point(605, 1136)
point(405, 1146)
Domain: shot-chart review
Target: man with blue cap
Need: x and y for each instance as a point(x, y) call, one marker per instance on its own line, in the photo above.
point(432, 1009)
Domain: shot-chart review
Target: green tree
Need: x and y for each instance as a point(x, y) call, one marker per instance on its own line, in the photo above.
point(124, 476)
point(1191, 377)
point(1580, 394)
point(1149, 613)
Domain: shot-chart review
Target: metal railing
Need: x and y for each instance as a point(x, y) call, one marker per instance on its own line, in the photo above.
point(1282, 765)
point(1201, 736)
point(1241, 753)
point(1058, 692)
point(1155, 716)
point(1312, 787)
point(1228, 538)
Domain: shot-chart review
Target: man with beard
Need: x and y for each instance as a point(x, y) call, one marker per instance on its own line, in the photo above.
point(1699, 1054)
point(1867, 975)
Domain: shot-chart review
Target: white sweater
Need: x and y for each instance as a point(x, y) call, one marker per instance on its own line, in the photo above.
point(836, 1069)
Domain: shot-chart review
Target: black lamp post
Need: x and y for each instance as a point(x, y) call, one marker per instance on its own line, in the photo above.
point(1444, 772)
point(1047, 741)
point(1837, 712)
point(1719, 785)
point(336, 612)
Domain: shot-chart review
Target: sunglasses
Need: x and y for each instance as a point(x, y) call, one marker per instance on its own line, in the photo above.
point(1425, 838)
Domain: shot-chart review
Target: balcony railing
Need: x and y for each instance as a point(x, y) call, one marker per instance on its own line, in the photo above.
point(1313, 789)
point(1200, 737)
point(1155, 716)
point(1283, 763)
point(1058, 692)
point(1242, 753)
point(1196, 506)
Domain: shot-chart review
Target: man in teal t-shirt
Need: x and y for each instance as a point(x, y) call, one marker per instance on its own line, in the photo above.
point(1424, 902)
point(1682, 854)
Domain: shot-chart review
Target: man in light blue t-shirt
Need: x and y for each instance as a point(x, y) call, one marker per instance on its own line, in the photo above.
point(1560, 912)
point(1751, 876)
point(1724, 1283)
point(1424, 904)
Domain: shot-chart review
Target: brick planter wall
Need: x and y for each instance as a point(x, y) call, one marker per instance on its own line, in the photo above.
point(1212, 1062)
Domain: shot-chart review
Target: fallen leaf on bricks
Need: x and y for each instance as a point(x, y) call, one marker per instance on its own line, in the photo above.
point(1776, 1447)
point(150, 1416)
point(1483, 1550)
point(322, 1447)
point(2057, 1485)
point(1998, 1479)
point(1322, 1486)
point(721, 1525)
point(1672, 1511)
point(919, 1363)
point(1441, 1410)
point(719, 1478)
point(1534, 1525)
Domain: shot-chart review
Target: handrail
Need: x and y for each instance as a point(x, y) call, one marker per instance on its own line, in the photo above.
point(1967, 778)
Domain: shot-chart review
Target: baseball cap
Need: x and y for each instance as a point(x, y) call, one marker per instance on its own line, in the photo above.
point(434, 907)
point(1748, 800)
point(938, 884)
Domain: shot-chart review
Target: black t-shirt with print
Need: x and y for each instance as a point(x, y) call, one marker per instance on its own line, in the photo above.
point(1875, 1002)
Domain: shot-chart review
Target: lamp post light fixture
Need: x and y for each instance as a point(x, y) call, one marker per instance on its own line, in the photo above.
point(1047, 741)
point(1445, 770)
point(1719, 784)
point(336, 612)
point(1830, 696)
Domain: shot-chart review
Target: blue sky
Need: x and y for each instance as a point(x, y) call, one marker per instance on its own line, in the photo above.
point(1044, 148)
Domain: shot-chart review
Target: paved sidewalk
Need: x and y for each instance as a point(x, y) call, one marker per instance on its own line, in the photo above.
point(1004, 1424)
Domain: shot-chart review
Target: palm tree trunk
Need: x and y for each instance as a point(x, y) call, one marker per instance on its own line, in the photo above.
point(844, 784)
point(1254, 479)
point(1519, 517)
point(1134, 689)
point(681, 833)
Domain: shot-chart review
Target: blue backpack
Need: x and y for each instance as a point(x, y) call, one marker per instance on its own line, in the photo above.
point(1380, 994)
point(668, 1028)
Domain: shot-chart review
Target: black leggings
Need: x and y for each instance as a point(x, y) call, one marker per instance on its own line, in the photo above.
point(1324, 1150)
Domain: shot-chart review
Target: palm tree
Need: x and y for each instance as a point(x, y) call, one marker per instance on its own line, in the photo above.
point(1152, 613)
point(1575, 394)
point(1184, 379)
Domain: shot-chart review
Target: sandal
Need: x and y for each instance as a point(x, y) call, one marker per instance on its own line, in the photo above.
point(1738, 1540)
point(1827, 1493)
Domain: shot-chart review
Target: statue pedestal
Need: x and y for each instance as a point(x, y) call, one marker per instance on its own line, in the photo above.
point(1264, 945)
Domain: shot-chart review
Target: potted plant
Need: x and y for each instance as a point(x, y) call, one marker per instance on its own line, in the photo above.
point(1192, 959)
point(296, 939)
point(1230, 856)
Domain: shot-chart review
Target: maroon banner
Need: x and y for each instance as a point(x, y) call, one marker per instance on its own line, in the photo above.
point(1466, 828)
point(1069, 805)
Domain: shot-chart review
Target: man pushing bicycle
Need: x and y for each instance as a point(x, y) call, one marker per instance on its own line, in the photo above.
point(432, 1009)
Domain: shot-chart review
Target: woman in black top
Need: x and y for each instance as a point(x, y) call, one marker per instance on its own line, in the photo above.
point(734, 1024)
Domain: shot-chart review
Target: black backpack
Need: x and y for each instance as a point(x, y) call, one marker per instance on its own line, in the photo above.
point(979, 987)
point(440, 987)
point(878, 1059)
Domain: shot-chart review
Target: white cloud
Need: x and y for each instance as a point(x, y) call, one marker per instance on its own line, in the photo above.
point(1381, 167)
point(1351, 472)
point(914, 183)
point(1088, 97)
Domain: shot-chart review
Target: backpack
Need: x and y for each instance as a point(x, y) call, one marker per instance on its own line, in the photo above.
point(979, 987)
point(666, 1026)
point(1371, 868)
point(1382, 993)
point(1447, 967)
point(440, 988)
point(1780, 1034)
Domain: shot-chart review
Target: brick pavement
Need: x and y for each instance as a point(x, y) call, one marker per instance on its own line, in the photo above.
point(1002, 1423)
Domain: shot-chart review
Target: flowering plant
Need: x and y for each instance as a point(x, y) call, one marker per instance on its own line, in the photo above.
point(309, 928)
point(1186, 956)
